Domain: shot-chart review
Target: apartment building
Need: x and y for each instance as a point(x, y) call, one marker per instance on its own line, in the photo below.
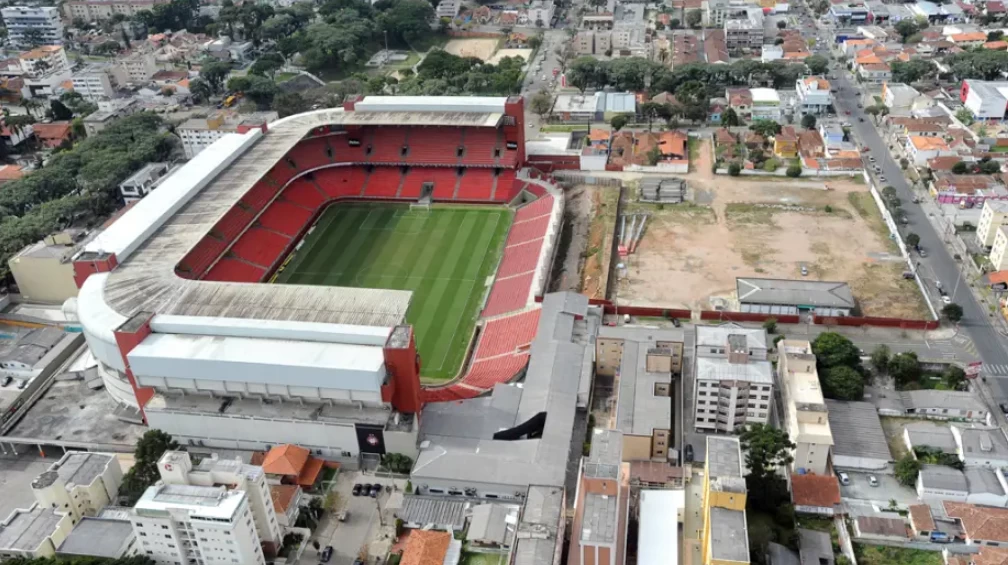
point(79, 484)
point(601, 506)
point(745, 33)
point(28, 26)
point(992, 217)
point(199, 133)
point(714, 13)
point(99, 82)
point(45, 69)
point(725, 534)
point(210, 525)
point(734, 380)
point(921, 149)
point(176, 468)
point(813, 95)
point(999, 250)
point(593, 42)
point(805, 415)
point(139, 67)
point(97, 10)
point(766, 104)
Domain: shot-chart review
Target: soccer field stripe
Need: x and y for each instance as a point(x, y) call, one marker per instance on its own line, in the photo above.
point(318, 266)
point(303, 255)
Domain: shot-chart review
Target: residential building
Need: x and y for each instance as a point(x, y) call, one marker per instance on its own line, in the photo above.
point(603, 498)
point(714, 13)
point(815, 494)
point(287, 503)
point(899, 97)
point(79, 484)
point(176, 468)
point(33, 532)
point(987, 100)
point(592, 42)
point(101, 119)
point(139, 66)
point(813, 95)
point(43, 270)
point(45, 69)
point(929, 435)
point(740, 100)
point(786, 143)
point(431, 548)
point(942, 405)
point(981, 525)
point(766, 104)
point(975, 485)
point(205, 524)
point(540, 13)
point(649, 362)
point(725, 534)
point(292, 465)
point(199, 133)
point(920, 149)
point(874, 73)
point(142, 182)
point(849, 13)
point(992, 217)
point(805, 416)
point(771, 53)
point(27, 25)
point(998, 256)
point(93, 84)
point(448, 8)
point(815, 547)
point(880, 529)
point(492, 525)
point(858, 439)
point(981, 447)
point(97, 10)
point(744, 34)
point(659, 510)
point(52, 135)
point(734, 380)
point(108, 537)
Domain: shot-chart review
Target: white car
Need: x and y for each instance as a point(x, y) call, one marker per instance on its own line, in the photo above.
point(946, 299)
point(844, 479)
point(872, 480)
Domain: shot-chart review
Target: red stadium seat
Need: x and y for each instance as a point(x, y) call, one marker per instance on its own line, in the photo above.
point(303, 193)
point(476, 184)
point(507, 335)
point(383, 182)
point(282, 172)
point(310, 154)
point(434, 146)
point(508, 295)
point(537, 209)
point(261, 247)
point(233, 270)
point(527, 231)
point(285, 218)
point(259, 195)
point(480, 145)
point(387, 145)
point(234, 221)
point(199, 259)
point(504, 188)
point(339, 182)
point(520, 258)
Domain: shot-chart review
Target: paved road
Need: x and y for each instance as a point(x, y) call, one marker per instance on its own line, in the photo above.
point(939, 263)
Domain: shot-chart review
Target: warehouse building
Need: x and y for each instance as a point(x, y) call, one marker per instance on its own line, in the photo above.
point(788, 296)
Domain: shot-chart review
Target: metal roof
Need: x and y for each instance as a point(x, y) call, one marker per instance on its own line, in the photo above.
point(857, 431)
point(539, 530)
point(658, 509)
point(794, 292)
point(25, 530)
point(926, 399)
point(433, 510)
point(98, 537)
point(943, 478)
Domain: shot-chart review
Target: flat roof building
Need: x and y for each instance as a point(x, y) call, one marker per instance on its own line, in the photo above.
point(734, 381)
point(99, 537)
point(805, 416)
point(725, 537)
point(33, 532)
point(659, 509)
point(859, 442)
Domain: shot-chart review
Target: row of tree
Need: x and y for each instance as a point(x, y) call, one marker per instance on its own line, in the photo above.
point(78, 186)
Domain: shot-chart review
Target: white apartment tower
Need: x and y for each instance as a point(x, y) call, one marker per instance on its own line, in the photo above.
point(734, 380)
point(176, 468)
point(197, 525)
point(805, 415)
point(45, 20)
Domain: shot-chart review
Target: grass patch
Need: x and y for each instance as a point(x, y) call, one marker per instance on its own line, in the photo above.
point(693, 148)
point(864, 205)
point(427, 42)
point(679, 213)
point(472, 558)
point(885, 555)
point(999, 149)
point(284, 77)
point(443, 255)
point(745, 213)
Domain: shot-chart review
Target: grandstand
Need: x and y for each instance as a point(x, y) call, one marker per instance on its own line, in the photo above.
point(174, 306)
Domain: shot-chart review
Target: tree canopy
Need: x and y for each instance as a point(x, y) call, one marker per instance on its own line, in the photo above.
point(842, 383)
point(766, 448)
point(79, 186)
point(985, 64)
point(835, 350)
point(911, 71)
point(144, 471)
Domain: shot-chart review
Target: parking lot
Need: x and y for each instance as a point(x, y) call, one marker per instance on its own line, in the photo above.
point(888, 489)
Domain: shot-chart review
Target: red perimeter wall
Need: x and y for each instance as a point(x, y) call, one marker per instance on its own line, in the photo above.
point(874, 321)
point(726, 316)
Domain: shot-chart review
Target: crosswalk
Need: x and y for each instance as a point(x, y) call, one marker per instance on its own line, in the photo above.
point(992, 369)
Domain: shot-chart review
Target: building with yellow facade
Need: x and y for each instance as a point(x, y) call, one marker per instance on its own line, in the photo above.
point(725, 535)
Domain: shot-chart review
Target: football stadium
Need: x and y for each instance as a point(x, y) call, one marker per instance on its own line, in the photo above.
point(294, 282)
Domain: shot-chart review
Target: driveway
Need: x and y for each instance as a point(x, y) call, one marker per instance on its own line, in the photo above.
point(860, 492)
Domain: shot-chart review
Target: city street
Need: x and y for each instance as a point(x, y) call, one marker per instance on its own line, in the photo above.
point(939, 264)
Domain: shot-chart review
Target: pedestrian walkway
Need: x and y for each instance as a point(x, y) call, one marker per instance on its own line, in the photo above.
point(995, 369)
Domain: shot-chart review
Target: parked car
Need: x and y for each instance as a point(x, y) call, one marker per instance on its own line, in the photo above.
point(922, 252)
point(940, 537)
point(6, 381)
point(23, 384)
point(688, 453)
point(872, 480)
point(946, 299)
point(1004, 407)
point(342, 516)
point(375, 489)
point(357, 489)
point(804, 271)
point(844, 479)
point(326, 554)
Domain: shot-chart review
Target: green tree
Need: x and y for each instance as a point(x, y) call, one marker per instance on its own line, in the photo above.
point(794, 171)
point(995, 35)
point(729, 118)
point(912, 239)
point(144, 472)
point(618, 121)
point(766, 449)
point(654, 155)
point(989, 166)
point(952, 312)
point(213, 74)
point(693, 18)
point(766, 128)
point(770, 325)
point(541, 103)
point(200, 90)
point(407, 20)
point(905, 367)
point(965, 116)
point(842, 383)
point(906, 28)
point(267, 65)
point(734, 169)
point(835, 350)
point(808, 121)
point(239, 84)
point(781, 24)
point(904, 163)
point(912, 71)
point(289, 103)
point(817, 64)
point(880, 358)
point(954, 377)
point(907, 469)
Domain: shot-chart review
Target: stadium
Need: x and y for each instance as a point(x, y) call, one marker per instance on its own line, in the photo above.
point(294, 283)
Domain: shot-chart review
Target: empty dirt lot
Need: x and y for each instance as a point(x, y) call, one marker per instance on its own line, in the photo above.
point(482, 49)
point(691, 254)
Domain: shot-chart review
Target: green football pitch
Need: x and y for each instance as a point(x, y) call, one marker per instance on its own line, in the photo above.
point(444, 255)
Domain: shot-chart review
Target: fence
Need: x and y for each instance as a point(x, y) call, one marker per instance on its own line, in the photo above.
point(782, 172)
point(875, 321)
point(475, 34)
point(652, 311)
point(726, 316)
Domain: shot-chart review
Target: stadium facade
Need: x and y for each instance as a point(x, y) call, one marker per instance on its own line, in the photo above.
point(173, 302)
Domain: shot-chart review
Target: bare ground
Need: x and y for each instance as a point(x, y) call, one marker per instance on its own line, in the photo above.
point(595, 275)
point(691, 254)
point(573, 240)
point(483, 49)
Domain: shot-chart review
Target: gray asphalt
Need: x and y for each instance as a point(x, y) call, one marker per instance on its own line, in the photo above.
point(988, 342)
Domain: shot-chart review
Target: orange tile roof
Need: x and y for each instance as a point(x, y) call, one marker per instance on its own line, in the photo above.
point(821, 491)
point(819, 82)
point(286, 459)
point(54, 130)
point(943, 163)
point(980, 522)
point(928, 143)
point(426, 547)
point(598, 135)
point(920, 515)
point(10, 172)
point(996, 45)
point(672, 142)
point(41, 52)
point(997, 277)
point(310, 472)
point(972, 36)
point(991, 556)
point(283, 495)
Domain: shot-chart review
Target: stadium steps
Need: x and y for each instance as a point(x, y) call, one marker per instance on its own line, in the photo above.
point(245, 261)
point(315, 184)
point(493, 187)
point(271, 230)
point(459, 161)
point(501, 146)
point(402, 181)
point(363, 186)
point(455, 191)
